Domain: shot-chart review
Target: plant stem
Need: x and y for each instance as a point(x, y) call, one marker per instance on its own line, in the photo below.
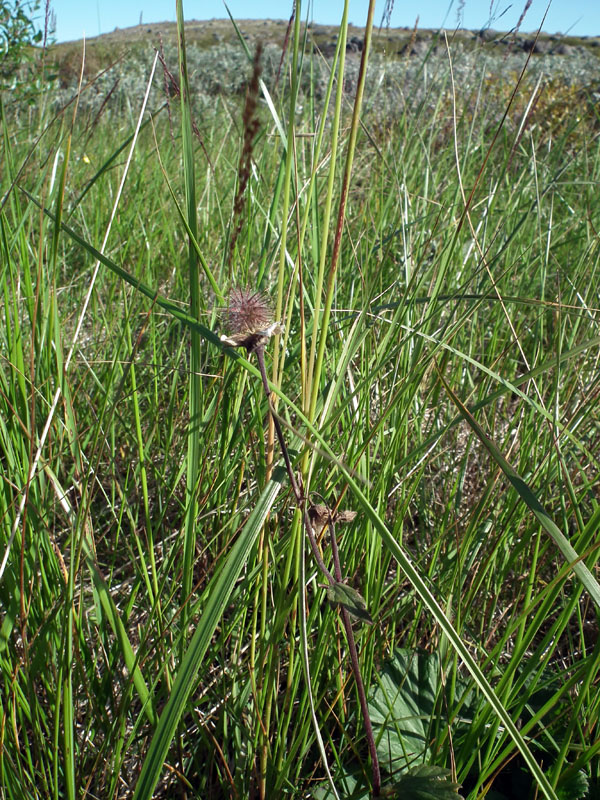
point(259, 349)
point(296, 488)
point(356, 667)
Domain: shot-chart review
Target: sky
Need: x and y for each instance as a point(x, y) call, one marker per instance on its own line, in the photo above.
point(92, 17)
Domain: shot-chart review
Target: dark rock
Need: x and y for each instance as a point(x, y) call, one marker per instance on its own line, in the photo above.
point(563, 49)
point(328, 49)
point(487, 34)
point(540, 46)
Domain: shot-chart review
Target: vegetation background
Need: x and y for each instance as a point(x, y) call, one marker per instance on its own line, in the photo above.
point(432, 253)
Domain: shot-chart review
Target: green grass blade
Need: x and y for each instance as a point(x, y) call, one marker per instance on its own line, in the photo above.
point(528, 496)
point(217, 594)
point(195, 380)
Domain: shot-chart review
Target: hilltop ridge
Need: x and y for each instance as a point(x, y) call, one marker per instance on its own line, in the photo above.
point(212, 32)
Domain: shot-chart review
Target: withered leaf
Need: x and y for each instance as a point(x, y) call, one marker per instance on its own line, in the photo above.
point(319, 515)
point(341, 594)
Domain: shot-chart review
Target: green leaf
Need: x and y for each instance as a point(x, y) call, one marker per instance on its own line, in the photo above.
point(350, 786)
point(354, 603)
point(402, 707)
point(423, 783)
point(575, 787)
point(405, 704)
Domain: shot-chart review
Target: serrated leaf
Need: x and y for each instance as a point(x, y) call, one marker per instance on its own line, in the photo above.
point(341, 594)
point(404, 706)
point(574, 787)
point(424, 783)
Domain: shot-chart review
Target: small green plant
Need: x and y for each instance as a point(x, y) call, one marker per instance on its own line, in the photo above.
point(19, 32)
point(249, 315)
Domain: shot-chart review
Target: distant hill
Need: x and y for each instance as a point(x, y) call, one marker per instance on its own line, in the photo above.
point(219, 64)
point(393, 41)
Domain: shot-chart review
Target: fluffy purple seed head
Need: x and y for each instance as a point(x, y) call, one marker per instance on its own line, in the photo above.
point(248, 311)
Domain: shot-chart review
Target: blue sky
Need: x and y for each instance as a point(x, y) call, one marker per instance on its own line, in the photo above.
point(580, 17)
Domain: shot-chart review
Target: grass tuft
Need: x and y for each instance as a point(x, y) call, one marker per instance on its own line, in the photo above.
point(411, 327)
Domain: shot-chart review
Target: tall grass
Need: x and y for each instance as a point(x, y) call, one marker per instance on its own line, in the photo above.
point(164, 629)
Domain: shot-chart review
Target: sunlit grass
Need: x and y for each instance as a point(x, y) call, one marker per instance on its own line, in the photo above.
point(153, 563)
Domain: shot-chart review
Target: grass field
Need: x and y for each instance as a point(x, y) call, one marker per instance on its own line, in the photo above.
point(433, 261)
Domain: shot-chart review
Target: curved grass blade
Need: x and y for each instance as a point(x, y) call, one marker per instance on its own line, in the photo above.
point(112, 158)
point(529, 498)
point(110, 609)
point(425, 594)
point(217, 595)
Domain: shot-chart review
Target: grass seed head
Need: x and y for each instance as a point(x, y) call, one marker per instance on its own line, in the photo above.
point(248, 311)
point(249, 318)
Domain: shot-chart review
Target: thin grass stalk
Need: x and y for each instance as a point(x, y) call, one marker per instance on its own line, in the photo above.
point(383, 364)
point(311, 206)
point(278, 351)
point(81, 522)
point(301, 500)
point(81, 316)
point(68, 718)
point(214, 601)
point(364, 707)
point(152, 579)
point(268, 685)
point(354, 127)
point(195, 381)
point(429, 600)
point(39, 292)
point(307, 674)
point(278, 357)
point(312, 381)
point(585, 696)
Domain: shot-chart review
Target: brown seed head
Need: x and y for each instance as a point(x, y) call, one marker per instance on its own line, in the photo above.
point(248, 311)
point(249, 320)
